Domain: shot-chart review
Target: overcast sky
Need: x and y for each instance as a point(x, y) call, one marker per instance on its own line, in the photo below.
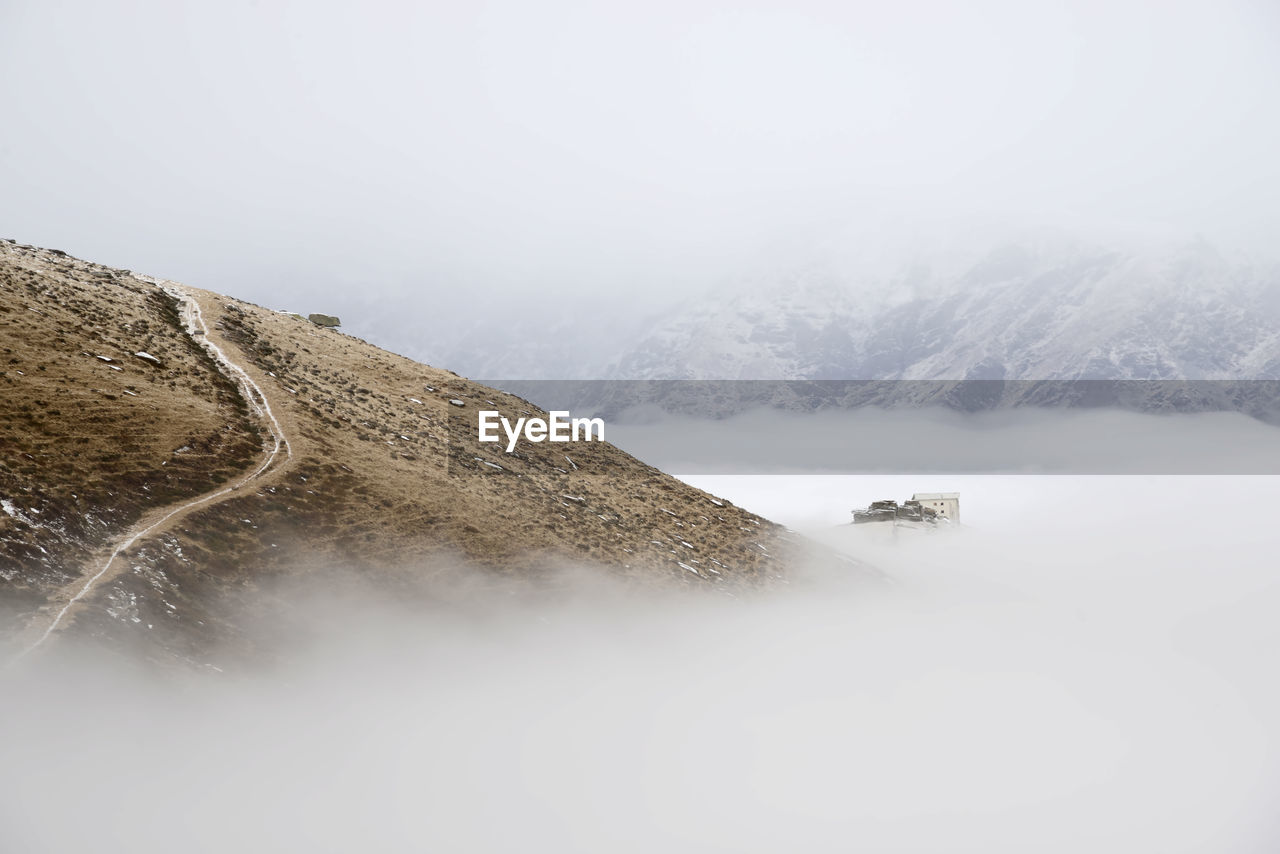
point(279, 148)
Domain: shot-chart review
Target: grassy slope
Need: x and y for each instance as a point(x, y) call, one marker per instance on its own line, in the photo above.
point(86, 449)
point(384, 479)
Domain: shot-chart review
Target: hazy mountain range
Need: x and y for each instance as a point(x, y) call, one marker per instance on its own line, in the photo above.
point(1037, 308)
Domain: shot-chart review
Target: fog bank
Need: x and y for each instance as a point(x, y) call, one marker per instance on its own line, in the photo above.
point(1091, 672)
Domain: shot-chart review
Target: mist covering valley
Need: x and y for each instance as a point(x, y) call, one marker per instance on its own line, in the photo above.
point(1086, 664)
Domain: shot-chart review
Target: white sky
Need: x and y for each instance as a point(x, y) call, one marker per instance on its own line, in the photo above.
point(421, 150)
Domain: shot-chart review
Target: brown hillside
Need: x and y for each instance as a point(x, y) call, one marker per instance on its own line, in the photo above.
point(384, 475)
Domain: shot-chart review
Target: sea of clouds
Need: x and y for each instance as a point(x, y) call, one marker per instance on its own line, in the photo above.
point(1086, 664)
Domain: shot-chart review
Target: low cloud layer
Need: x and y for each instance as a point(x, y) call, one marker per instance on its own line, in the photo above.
point(1088, 669)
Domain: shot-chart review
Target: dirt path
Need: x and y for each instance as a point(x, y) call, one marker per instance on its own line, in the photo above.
point(193, 321)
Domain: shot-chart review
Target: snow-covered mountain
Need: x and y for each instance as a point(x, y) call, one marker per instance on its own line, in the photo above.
point(1033, 309)
point(1027, 312)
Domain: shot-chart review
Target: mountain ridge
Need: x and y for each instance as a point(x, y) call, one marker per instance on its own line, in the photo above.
point(383, 481)
point(1048, 308)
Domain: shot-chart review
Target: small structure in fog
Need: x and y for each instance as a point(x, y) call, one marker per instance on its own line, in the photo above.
point(945, 504)
point(924, 507)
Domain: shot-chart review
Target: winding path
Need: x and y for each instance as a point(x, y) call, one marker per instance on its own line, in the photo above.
point(193, 322)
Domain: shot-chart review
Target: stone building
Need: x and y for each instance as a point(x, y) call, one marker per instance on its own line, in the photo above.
point(928, 507)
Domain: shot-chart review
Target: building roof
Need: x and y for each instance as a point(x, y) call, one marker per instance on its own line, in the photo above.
point(933, 496)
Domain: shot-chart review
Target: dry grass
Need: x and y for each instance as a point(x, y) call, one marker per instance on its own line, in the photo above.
point(87, 445)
